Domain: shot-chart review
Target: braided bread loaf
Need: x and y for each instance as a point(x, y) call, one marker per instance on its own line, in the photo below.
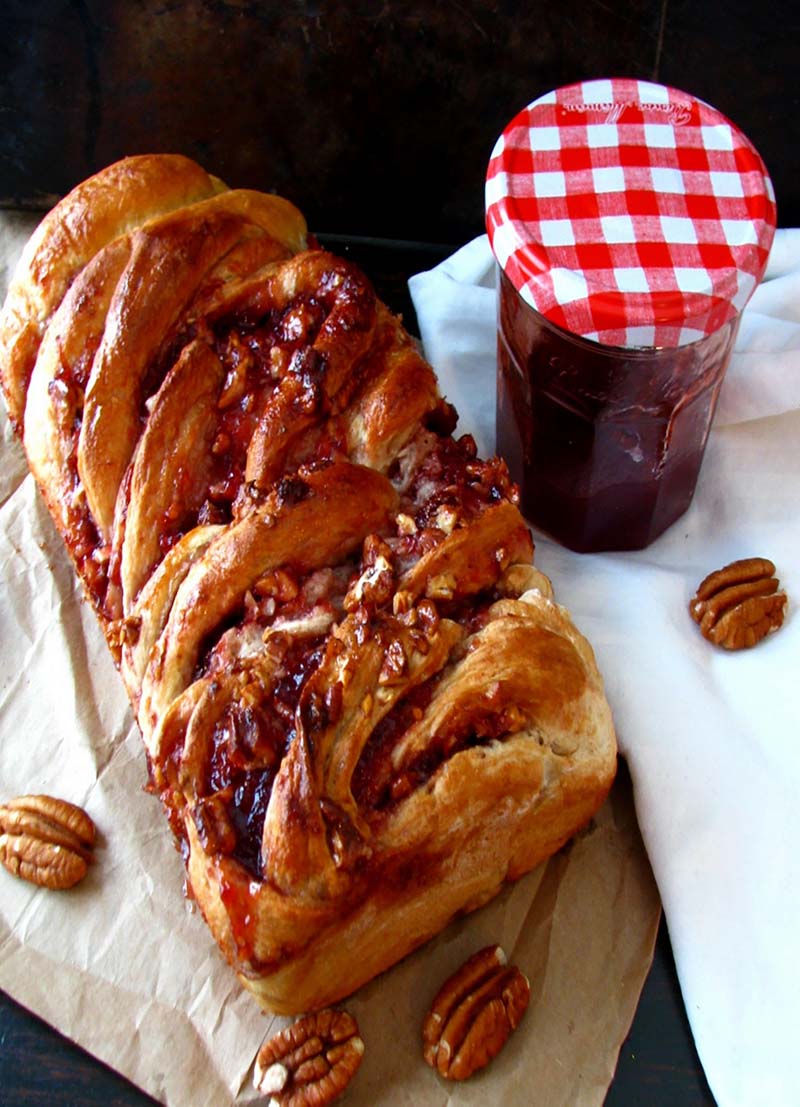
point(362, 709)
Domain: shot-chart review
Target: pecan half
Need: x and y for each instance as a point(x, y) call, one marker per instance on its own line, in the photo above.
point(473, 1014)
point(311, 1062)
point(740, 604)
point(45, 840)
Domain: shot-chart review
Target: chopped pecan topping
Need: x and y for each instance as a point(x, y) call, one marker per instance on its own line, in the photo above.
point(311, 1062)
point(279, 583)
point(376, 583)
point(441, 587)
point(394, 663)
point(239, 359)
point(402, 602)
point(738, 605)
point(473, 1014)
point(45, 840)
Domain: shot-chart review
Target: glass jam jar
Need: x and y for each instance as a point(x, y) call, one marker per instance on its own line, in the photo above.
point(630, 223)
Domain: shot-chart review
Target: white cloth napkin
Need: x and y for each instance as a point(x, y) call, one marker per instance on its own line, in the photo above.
point(712, 738)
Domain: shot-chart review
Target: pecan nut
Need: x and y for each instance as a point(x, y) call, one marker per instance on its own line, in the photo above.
point(311, 1062)
point(45, 840)
point(473, 1014)
point(738, 605)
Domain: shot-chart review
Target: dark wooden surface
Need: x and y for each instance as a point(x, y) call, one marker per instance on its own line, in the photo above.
point(375, 118)
point(658, 1064)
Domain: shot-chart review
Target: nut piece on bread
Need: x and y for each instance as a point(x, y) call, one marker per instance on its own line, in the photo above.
point(473, 1014)
point(739, 605)
point(363, 708)
point(46, 841)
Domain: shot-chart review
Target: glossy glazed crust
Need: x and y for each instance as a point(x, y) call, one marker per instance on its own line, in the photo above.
point(98, 210)
point(489, 815)
point(363, 710)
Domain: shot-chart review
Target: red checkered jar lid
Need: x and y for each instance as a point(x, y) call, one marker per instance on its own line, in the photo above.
point(629, 213)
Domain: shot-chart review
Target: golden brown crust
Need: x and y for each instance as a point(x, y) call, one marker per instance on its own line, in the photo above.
point(170, 469)
point(362, 707)
point(341, 505)
point(97, 210)
point(167, 263)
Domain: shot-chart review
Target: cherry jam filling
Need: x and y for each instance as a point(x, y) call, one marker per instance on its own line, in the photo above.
point(256, 357)
point(382, 786)
point(451, 476)
point(370, 784)
point(88, 551)
point(248, 746)
point(376, 783)
point(251, 739)
point(249, 742)
point(247, 811)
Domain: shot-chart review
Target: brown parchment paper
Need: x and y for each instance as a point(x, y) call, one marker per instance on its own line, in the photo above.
point(124, 965)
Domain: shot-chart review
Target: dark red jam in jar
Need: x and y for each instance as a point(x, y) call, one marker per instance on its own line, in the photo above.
point(631, 224)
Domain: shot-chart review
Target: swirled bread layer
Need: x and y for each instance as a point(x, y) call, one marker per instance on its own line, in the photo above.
point(362, 707)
